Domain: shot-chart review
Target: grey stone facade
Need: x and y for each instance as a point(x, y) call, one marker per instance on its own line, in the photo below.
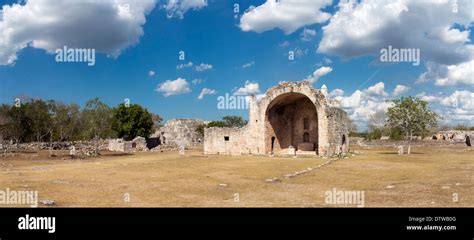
point(290, 116)
point(180, 132)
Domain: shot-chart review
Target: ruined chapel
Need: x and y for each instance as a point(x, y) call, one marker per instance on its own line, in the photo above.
point(291, 118)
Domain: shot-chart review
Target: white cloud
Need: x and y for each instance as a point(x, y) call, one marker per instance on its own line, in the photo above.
point(247, 65)
point(151, 73)
point(250, 88)
point(365, 27)
point(307, 35)
point(203, 67)
point(317, 74)
point(177, 8)
point(184, 65)
point(173, 87)
point(336, 93)
point(206, 91)
point(427, 98)
point(108, 26)
point(449, 75)
point(459, 99)
point(361, 104)
point(284, 14)
point(459, 106)
point(400, 89)
point(196, 81)
point(377, 89)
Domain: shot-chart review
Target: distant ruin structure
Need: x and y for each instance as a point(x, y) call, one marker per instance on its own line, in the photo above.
point(180, 132)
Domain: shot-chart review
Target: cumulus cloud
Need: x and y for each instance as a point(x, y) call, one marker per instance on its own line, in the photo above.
point(173, 87)
point(377, 89)
point(250, 88)
point(336, 93)
point(177, 8)
point(286, 15)
point(151, 73)
point(459, 105)
point(307, 35)
point(108, 26)
point(427, 98)
point(206, 91)
point(365, 27)
point(317, 74)
point(203, 67)
point(449, 75)
point(400, 89)
point(361, 104)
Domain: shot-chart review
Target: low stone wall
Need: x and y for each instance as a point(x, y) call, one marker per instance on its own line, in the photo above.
point(139, 144)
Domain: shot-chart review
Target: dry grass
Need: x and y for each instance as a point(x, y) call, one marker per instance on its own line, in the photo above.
point(427, 178)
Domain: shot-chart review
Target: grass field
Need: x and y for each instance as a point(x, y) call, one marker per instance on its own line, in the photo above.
point(427, 178)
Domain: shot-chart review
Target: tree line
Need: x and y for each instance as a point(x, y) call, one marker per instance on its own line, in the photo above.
point(37, 120)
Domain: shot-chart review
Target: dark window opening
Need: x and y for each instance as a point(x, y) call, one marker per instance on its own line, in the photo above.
point(226, 138)
point(305, 137)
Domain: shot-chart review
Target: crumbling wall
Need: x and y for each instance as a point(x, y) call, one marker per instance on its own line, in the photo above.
point(180, 132)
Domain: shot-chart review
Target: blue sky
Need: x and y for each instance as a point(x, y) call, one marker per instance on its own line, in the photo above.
point(210, 33)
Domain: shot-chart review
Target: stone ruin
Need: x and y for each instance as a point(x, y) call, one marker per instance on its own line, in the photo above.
point(180, 132)
point(454, 136)
point(291, 118)
point(174, 134)
point(138, 144)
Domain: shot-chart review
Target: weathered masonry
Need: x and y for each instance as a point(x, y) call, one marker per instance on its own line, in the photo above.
point(291, 118)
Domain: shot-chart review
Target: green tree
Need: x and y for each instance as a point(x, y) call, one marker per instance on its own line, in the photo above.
point(97, 120)
point(38, 119)
point(156, 121)
point(132, 121)
point(412, 116)
point(66, 120)
point(234, 121)
point(377, 126)
point(227, 121)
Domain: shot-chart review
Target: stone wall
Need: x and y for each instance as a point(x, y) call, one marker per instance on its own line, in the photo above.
point(277, 124)
point(180, 132)
point(230, 141)
point(139, 144)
